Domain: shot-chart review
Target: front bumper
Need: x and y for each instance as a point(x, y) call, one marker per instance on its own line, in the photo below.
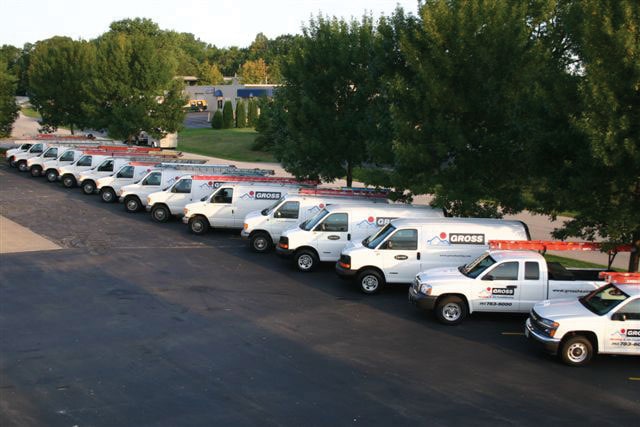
point(285, 253)
point(185, 219)
point(549, 344)
point(245, 234)
point(424, 302)
point(345, 273)
point(148, 208)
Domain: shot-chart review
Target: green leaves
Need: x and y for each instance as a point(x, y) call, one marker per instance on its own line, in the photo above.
point(8, 107)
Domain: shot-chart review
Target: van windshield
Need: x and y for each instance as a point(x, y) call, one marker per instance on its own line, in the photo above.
point(374, 240)
point(314, 220)
point(270, 209)
point(477, 266)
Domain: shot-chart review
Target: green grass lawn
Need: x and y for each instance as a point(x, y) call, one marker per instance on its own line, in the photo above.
point(229, 144)
point(30, 112)
point(574, 263)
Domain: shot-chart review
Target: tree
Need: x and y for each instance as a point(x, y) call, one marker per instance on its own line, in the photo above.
point(210, 74)
point(600, 177)
point(227, 115)
point(326, 95)
point(133, 88)
point(58, 68)
point(216, 120)
point(254, 72)
point(252, 113)
point(241, 114)
point(8, 106)
point(471, 98)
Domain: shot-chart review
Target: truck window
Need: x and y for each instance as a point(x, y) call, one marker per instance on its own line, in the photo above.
point(106, 166)
point(37, 148)
point(505, 271)
point(67, 156)
point(182, 186)
point(477, 266)
point(335, 223)
point(631, 310)
point(84, 161)
point(309, 224)
point(402, 240)
point(374, 240)
point(25, 147)
point(125, 172)
point(531, 271)
point(152, 179)
point(224, 195)
point(604, 299)
point(51, 153)
point(288, 210)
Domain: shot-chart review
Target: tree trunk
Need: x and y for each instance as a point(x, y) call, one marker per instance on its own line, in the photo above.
point(634, 258)
point(71, 128)
point(349, 173)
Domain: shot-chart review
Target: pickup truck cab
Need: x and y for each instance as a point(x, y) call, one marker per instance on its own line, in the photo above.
point(405, 247)
point(605, 321)
point(322, 237)
point(510, 281)
point(262, 228)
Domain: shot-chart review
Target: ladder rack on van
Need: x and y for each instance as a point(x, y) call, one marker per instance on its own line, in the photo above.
point(244, 178)
point(126, 153)
point(182, 163)
point(621, 278)
point(551, 245)
point(346, 192)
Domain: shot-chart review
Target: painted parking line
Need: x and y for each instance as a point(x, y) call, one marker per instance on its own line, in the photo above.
point(512, 333)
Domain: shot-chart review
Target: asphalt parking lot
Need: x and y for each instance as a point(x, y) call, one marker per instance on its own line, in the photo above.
point(139, 323)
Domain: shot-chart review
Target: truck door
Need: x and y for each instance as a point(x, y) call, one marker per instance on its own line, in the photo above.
point(401, 260)
point(332, 235)
point(220, 209)
point(622, 329)
point(286, 216)
point(179, 196)
point(533, 287)
point(498, 288)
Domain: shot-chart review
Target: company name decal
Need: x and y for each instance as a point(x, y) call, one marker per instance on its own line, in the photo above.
point(502, 291)
point(373, 222)
point(466, 239)
point(490, 292)
point(262, 195)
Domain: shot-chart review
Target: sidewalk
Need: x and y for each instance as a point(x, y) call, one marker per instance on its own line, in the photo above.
point(16, 238)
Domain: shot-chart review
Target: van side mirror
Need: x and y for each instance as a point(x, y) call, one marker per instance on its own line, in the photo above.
point(488, 277)
point(621, 317)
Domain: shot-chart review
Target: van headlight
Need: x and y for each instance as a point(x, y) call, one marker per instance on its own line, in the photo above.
point(425, 289)
point(185, 211)
point(245, 226)
point(148, 200)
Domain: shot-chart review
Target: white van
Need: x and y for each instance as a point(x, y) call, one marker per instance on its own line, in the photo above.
point(405, 247)
point(20, 158)
point(134, 196)
point(49, 168)
point(35, 165)
point(262, 228)
point(323, 236)
point(22, 147)
point(189, 189)
point(232, 201)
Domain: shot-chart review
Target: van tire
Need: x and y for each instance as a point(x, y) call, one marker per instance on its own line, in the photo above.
point(88, 186)
point(12, 162)
point(36, 171)
point(69, 181)
point(22, 165)
point(306, 260)
point(132, 204)
point(160, 213)
point(576, 351)
point(108, 195)
point(451, 310)
point(52, 175)
point(198, 225)
point(370, 281)
point(261, 242)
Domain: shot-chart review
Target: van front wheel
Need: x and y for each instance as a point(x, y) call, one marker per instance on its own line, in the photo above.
point(160, 213)
point(451, 310)
point(370, 282)
point(260, 242)
point(198, 225)
point(306, 260)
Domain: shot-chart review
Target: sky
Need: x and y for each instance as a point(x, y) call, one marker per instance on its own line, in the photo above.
point(223, 23)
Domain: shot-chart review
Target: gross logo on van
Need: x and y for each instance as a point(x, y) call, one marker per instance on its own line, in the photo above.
point(373, 222)
point(381, 221)
point(627, 333)
point(262, 195)
point(210, 184)
point(466, 238)
point(490, 292)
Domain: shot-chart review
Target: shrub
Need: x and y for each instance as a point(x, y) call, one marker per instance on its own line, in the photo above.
point(216, 121)
point(227, 115)
point(241, 114)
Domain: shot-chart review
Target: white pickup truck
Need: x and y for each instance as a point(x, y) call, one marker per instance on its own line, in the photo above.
point(498, 281)
point(606, 321)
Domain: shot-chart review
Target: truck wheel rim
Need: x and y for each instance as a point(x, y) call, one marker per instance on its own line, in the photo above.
point(159, 214)
point(107, 196)
point(369, 283)
point(68, 182)
point(197, 226)
point(132, 205)
point(22, 166)
point(577, 352)
point(451, 312)
point(51, 176)
point(305, 262)
point(35, 172)
point(260, 243)
point(88, 188)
